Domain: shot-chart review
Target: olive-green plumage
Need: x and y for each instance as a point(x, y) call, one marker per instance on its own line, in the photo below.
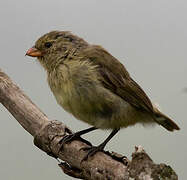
point(93, 85)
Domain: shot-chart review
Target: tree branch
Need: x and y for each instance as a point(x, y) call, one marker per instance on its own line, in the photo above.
point(47, 135)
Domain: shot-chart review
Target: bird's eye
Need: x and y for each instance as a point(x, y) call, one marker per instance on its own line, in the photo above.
point(48, 44)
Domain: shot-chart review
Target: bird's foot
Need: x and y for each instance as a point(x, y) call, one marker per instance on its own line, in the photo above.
point(77, 136)
point(92, 150)
point(70, 137)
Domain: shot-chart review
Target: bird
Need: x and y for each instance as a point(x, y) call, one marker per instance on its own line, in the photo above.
point(92, 85)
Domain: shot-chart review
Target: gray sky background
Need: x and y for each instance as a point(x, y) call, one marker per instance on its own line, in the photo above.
point(149, 37)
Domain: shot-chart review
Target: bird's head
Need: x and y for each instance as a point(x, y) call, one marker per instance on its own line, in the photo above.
point(54, 47)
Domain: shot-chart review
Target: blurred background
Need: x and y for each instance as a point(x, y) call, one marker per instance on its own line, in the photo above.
point(149, 37)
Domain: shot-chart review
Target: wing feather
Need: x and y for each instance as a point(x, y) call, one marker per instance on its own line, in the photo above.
point(115, 77)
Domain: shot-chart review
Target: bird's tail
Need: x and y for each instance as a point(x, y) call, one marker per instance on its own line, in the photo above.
point(165, 121)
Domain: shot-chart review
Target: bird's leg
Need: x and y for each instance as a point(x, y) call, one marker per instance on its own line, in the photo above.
point(77, 135)
point(93, 149)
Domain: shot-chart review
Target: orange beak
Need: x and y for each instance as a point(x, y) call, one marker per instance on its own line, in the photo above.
point(33, 52)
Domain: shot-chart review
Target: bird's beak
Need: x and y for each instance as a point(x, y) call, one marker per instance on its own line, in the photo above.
point(33, 52)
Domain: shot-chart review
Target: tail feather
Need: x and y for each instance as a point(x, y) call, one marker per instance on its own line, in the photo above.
point(165, 121)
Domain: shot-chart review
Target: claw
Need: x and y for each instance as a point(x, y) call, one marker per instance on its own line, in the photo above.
point(77, 136)
point(70, 137)
point(92, 150)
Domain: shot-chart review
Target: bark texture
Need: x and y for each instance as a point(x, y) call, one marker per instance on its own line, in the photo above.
point(47, 135)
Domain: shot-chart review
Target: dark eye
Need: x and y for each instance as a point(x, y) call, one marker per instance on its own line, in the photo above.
point(48, 44)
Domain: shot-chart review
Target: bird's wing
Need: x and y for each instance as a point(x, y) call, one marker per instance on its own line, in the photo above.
point(115, 77)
